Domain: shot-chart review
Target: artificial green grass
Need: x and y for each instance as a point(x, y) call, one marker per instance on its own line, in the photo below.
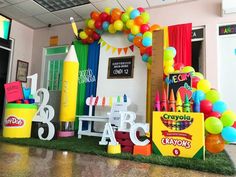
point(214, 163)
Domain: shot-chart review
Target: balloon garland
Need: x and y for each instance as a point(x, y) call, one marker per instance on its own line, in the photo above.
point(220, 123)
point(133, 22)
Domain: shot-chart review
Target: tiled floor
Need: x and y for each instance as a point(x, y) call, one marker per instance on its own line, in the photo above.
point(19, 161)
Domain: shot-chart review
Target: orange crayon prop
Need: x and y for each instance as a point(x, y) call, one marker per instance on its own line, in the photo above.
point(172, 101)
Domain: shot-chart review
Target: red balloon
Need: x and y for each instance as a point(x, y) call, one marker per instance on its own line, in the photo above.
point(178, 66)
point(96, 36)
point(103, 16)
point(98, 24)
point(195, 80)
point(141, 10)
point(148, 51)
point(234, 124)
point(84, 41)
point(144, 28)
point(205, 107)
point(214, 114)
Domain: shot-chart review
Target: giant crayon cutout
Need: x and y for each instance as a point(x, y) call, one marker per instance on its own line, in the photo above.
point(69, 94)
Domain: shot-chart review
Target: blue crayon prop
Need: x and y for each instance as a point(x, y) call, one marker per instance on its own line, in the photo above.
point(196, 104)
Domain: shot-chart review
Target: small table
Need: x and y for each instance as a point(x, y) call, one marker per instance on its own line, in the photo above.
point(90, 119)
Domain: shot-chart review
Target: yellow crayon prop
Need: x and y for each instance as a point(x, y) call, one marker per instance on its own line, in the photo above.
point(69, 87)
point(74, 27)
point(179, 103)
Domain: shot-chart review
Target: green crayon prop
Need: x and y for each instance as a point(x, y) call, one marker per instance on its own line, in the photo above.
point(186, 104)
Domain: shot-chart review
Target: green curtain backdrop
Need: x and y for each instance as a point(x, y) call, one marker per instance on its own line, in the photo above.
point(82, 56)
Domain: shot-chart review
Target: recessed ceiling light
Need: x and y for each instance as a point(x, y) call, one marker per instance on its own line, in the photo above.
point(55, 5)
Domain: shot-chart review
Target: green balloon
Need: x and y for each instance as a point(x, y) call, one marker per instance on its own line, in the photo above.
point(227, 119)
point(213, 96)
point(213, 125)
point(145, 16)
point(199, 75)
point(147, 34)
point(168, 55)
point(125, 17)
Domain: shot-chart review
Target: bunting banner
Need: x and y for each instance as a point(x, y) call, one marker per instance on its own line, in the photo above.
point(115, 49)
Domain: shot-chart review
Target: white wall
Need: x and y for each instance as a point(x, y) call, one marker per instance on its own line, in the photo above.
point(134, 88)
point(41, 40)
point(23, 37)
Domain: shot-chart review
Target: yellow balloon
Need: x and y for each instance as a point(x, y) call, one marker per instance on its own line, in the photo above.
point(230, 113)
point(188, 69)
point(129, 9)
point(177, 71)
point(91, 24)
point(204, 85)
point(111, 29)
point(107, 10)
point(168, 62)
point(118, 25)
point(168, 70)
point(129, 24)
point(83, 35)
point(135, 29)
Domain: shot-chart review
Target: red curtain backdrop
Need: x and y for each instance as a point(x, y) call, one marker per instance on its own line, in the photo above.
point(180, 38)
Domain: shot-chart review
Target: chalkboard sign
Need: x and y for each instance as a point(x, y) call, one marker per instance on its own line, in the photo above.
point(180, 82)
point(120, 68)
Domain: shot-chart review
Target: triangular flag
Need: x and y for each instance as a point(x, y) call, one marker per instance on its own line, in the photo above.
point(131, 48)
point(114, 50)
point(119, 50)
point(103, 43)
point(108, 47)
point(100, 41)
point(125, 49)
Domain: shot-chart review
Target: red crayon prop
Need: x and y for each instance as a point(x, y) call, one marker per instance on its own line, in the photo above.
point(164, 101)
point(157, 102)
point(172, 101)
point(96, 101)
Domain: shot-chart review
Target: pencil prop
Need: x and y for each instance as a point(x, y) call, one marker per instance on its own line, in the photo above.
point(96, 101)
point(69, 89)
point(103, 101)
point(74, 27)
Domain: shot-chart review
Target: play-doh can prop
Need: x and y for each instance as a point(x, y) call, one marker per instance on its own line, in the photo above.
point(18, 120)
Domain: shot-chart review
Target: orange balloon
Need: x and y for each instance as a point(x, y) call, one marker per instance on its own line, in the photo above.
point(94, 15)
point(138, 41)
point(126, 31)
point(138, 20)
point(88, 31)
point(142, 49)
point(89, 40)
point(214, 143)
point(116, 14)
point(154, 27)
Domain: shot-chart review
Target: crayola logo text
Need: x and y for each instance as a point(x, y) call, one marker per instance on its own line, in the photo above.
point(176, 142)
point(177, 117)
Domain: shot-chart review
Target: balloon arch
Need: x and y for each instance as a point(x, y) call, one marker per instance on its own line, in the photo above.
point(220, 123)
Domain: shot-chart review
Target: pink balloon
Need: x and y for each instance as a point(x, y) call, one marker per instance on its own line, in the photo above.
point(206, 107)
point(195, 80)
point(144, 28)
point(178, 66)
point(141, 10)
point(234, 124)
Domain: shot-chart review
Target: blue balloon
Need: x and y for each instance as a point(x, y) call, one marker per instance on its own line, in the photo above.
point(229, 134)
point(139, 34)
point(99, 31)
point(147, 41)
point(134, 13)
point(219, 106)
point(145, 57)
point(105, 25)
point(198, 94)
point(131, 37)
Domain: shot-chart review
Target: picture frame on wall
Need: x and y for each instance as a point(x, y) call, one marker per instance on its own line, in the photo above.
point(120, 67)
point(22, 70)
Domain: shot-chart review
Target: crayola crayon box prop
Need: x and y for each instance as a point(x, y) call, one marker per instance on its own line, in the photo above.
point(178, 134)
